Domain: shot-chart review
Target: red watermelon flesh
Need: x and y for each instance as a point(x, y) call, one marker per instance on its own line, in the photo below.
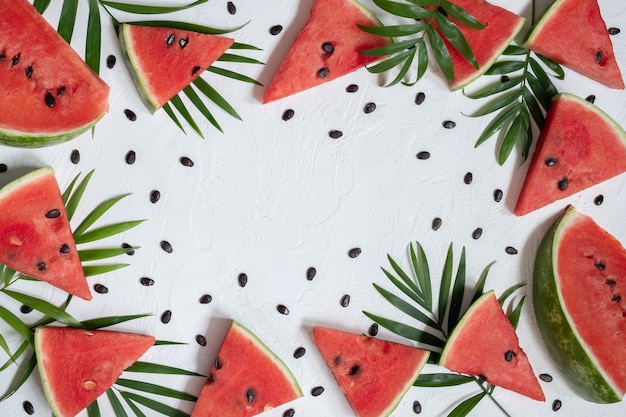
point(245, 379)
point(373, 374)
point(579, 146)
point(485, 343)
point(573, 33)
point(77, 365)
point(35, 234)
point(164, 61)
point(326, 48)
point(487, 44)
point(49, 94)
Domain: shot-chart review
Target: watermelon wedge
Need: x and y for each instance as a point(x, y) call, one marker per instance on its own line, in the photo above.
point(49, 94)
point(245, 379)
point(580, 272)
point(573, 33)
point(77, 365)
point(579, 146)
point(373, 374)
point(484, 343)
point(35, 234)
point(501, 28)
point(163, 61)
point(326, 48)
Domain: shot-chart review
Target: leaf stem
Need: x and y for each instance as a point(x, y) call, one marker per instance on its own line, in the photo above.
point(486, 391)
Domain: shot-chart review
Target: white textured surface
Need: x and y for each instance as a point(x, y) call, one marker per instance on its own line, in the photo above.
point(271, 198)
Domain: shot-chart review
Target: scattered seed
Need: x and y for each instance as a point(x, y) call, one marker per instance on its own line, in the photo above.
point(511, 250)
point(373, 329)
point(100, 289)
point(545, 377)
point(170, 39)
point(616, 297)
point(290, 412)
point(166, 246)
point(146, 282)
point(130, 157)
point(61, 91)
point(436, 224)
point(614, 31)
point(250, 395)
point(282, 309)
point(591, 98)
point(276, 29)
point(28, 408)
point(111, 60)
point(563, 183)
point(166, 316)
point(75, 156)
point(504, 78)
point(64, 249)
point(127, 246)
point(468, 178)
point(345, 300)
point(335, 134)
point(599, 57)
point(328, 47)
point(369, 108)
point(417, 407)
point(322, 72)
point(477, 233)
point(509, 355)
point(155, 195)
point(3, 168)
point(556, 405)
point(354, 252)
point(551, 161)
point(41, 266)
point(598, 200)
point(230, 6)
point(26, 309)
point(15, 60)
point(610, 282)
point(600, 265)
point(316, 391)
point(419, 98)
point(52, 214)
point(299, 352)
point(205, 299)
point(423, 155)
point(288, 114)
point(352, 88)
point(310, 273)
point(201, 340)
point(50, 100)
point(183, 42)
point(186, 161)
point(242, 279)
point(130, 115)
point(29, 71)
point(497, 195)
point(195, 70)
point(449, 124)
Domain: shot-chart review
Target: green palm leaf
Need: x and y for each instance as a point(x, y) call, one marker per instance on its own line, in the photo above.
point(195, 99)
point(14, 357)
point(441, 380)
point(456, 38)
point(152, 404)
point(116, 405)
point(155, 368)
point(464, 408)
point(456, 300)
point(107, 231)
point(18, 325)
point(150, 388)
point(407, 331)
point(145, 9)
point(232, 74)
point(72, 201)
point(422, 273)
point(26, 369)
point(93, 410)
point(444, 286)
point(67, 19)
point(405, 307)
point(93, 43)
point(44, 307)
point(96, 213)
point(215, 97)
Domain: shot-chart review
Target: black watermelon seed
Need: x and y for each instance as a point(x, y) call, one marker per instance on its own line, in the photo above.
point(230, 6)
point(598, 200)
point(563, 183)
point(504, 78)
point(511, 250)
point(335, 134)
point(328, 47)
point(166, 316)
point(100, 289)
point(28, 408)
point(41, 266)
point(369, 107)
point(556, 405)
point(2, 56)
point(166, 246)
point(146, 282)
point(201, 340)
point(310, 273)
point(497, 195)
point(322, 72)
point(75, 156)
point(449, 124)
point(354, 252)
point(481, 378)
point(111, 60)
point(616, 297)
point(417, 407)
point(288, 114)
point(599, 57)
point(15, 60)
point(354, 371)
point(29, 71)
point(423, 155)
point(186, 161)
point(155, 195)
point(183, 42)
point(64, 248)
point(545, 377)
point(61, 91)
point(509, 355)
point(195, 70)
point(551, 162)
point(242, 279)
point(419, 98)
point(205, 299)
point(345, 300)
point(170, 39)
point(316, 391)
point(468, 178)
point(610, 282)
point(373, 330)
point(54, 213)
point(3, 168)
point(477, 233)
point(127, 246)
point(352, 88)
point(442, 11)
point(436, 224)
point(591, 98)
point(614, 31)
point(276, 29)
point(299, 352)
point(25, 309)
point(250, 395)
point(130, 157)
point(290, 412)
point(130, 115)
point(50, 100)
point(282, 309)
point(218, 363)
point(600, 265)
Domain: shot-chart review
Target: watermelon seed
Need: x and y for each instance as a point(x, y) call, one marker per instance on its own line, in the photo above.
point(599, 57)
point(369, 108)
point(354, 371)
point(563, 183)
point(111, 60)
point(423, 155)
point(419, 98)
point(89, 385)
point(322, 72)
point(335, 134)
point(75, 156)
point(354, 252)
point(205, 299)
point(53, 214)
point(345, 300)
point(242, 279)
point(230, 6)
point(591, 98)
point(352, 88)
point(15, 60)
point(310, 273)
point(100, 289)
point(26, 309)
point(477, 233)
point(317, 391)
point(276, 29)
point(511, 250)
point(481, 378)
point(600, 265)
point(373, 329)
point(282, 309)
point(170, 39)
point(2, 56)
point(186, 161)
point(290, 412)
point(556, 405)
point(545, 377)
point(3, 168)
point(183, 43)
point(166, 316)
point(288, 114)
point(61, 91)
point(195, 70)
point(328, 47)
point(217, 363)
point(146, 282)
point(614, 31)
point(610, 282)
point(29, 71)
point(299, 352)
point(127, 246)
point(64, 248)
point(598, 200)
point(467, 179)
point(616, 297)
point(49, 99)
point(28, 408)
point(130, 115)
point(201, 340)
point(509, 355)
point(440, 10)
point(449, 124)
point(155, 195)
point(250, 395)
point(436, 224)
point(166, 246)
point(417, 407)
point(504, 78)
point(41, 266)
point(497, 195)
point(15, 241)
point(130, 157)
point(551, 162)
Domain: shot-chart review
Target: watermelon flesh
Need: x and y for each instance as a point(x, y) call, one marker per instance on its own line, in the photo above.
point(49, 94)
point(485, 344)
point(573, 33)
point(245, 379)
point(77, 365)
point(163, 61)
point(579, 146)
point(326, 48)
point(580, 272)
point(35, 234)
point(373, 374)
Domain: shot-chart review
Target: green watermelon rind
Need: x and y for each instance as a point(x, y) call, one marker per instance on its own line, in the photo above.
point(540, 24)
point(19, 139)
point(25, 179)
point(559, 334)
point(45, 384)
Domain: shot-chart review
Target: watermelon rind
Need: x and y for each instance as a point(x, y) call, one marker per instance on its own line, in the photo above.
point(559, 334)
point(17, 183)
point(20, 139)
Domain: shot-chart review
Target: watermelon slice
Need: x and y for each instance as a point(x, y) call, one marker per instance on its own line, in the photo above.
point(163, 60)
point(245, 379)
point(579, 146)
point(580, 272)
point(49, 94)
point(327, 48)
point(502, 26)
point(373, 374)
point(485, 344)
point(573, 33)
point(35, 234)
point(77, 365)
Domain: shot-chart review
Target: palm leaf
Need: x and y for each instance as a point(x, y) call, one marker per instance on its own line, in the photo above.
point(86, 255)
point(168, 109)
point(461, 15)
point(517, 128)
point(186, 26)
point(441, 380)
point(405, 289)
point(67, 19)
point(422, 273)
point(196, 101)
point(408, 56)
point(442, 56)
point(101, 322)
point(232, 74)
point(392, 48)
point(155, 368)
point(226, 57)
point(505, 117)
point(215, 97)
point(72, 201)
point(116, 405)
point(155, 389)
point(44, 307)
point(495, 88)
point(153, 405)
point(91, 270)
point(480, 285)
point(407, 331)
point(93, 43)
point(17, 324)
point(456, 38)
point(96, 213)
point(509, 291)
point(13, 359)
point(464, 408)
point(403, 9)
point(407, 308)
point(107, 231)
point(26, 369)
point(498, 103)
point(505, 67)
point(533, 107)
point(393, 31)
point(514, 315)
point(41, 5)
point(145, 9)
point(390, 62)
point(456, 300)
point(180, 106)
point(444, 287)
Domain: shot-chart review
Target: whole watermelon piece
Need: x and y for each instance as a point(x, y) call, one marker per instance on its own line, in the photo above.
point(578, 282)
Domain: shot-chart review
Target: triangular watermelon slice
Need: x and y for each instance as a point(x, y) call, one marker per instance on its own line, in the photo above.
point(573, 33)
point(35, 234)
point(374, 374)
point(326, 48)
point(77, 365)
point(579, 146)
point(164, 60)
point(485, 344)
point(246, 379)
